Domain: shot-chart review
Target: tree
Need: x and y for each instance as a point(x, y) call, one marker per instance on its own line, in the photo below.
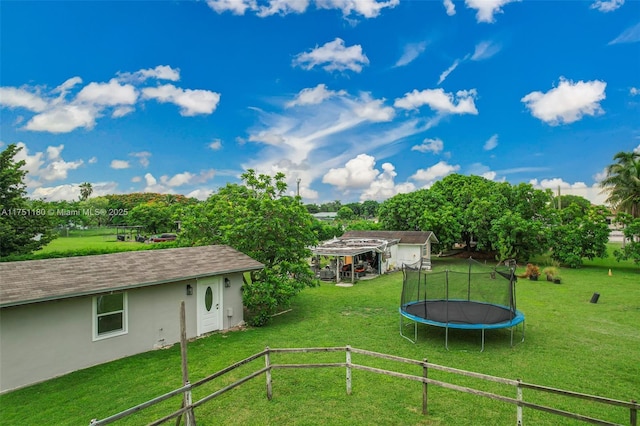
point(258, 220)
point(577, 235)
point(345, 213)
point(155, 216)
point(25, 225)
point(623, 183)
point(85, 191)
point(631, 231)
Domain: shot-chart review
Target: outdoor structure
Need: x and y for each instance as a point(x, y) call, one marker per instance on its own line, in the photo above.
point(482, 297)
point(360, 253)
point(62, 315)
point(412, 247)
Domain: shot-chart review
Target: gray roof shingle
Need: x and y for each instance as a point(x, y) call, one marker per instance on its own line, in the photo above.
point(405, 237)
point(39, 280)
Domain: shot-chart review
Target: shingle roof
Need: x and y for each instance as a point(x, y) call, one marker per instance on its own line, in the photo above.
point(39, 280)
point(405, 237)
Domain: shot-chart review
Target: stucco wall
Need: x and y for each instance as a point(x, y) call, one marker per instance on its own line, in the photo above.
point(49, 339)
point(408, 254)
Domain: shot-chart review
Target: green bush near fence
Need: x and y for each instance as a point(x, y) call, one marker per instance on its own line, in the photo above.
point(570, 344)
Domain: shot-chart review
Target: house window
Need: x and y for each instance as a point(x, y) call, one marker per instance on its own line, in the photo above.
point(109, 315)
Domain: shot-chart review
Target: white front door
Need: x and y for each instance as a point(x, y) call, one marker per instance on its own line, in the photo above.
point(209, 304)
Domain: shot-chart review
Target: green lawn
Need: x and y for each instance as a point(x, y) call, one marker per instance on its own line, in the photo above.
point(78, 240)
point(570, 344)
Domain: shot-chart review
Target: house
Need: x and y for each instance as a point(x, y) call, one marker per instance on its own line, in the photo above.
point(377, 251)
point(412, 246)
point(62, 315)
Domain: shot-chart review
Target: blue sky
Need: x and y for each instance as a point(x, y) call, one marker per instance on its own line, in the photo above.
point(356, 99)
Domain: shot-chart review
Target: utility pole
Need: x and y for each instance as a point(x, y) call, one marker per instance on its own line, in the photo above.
point(559, 199)
point(298, 190)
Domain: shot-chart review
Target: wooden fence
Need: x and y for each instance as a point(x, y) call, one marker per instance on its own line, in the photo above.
point(518, 401)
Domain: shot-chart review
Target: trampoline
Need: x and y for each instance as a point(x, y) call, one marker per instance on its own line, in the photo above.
point(474, 297)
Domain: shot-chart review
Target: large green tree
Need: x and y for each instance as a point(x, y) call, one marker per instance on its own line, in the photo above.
point(578, 234)
point(25, 225)
point(257, 219)
point(622, 183)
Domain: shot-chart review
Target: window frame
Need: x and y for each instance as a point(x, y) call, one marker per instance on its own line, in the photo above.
point(125, 317)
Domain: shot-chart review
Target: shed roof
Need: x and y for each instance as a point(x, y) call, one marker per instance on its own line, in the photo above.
point(405, 237)
point(352, 246)
point(34, 281)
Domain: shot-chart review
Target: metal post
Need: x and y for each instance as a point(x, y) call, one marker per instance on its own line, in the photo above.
point(348, 354)
point(633, 415)
point(424, 386)
point(519, 407)
point(267, 360)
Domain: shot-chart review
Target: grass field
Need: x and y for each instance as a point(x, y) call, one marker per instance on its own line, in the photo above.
point(570, 344)
point(77, 240)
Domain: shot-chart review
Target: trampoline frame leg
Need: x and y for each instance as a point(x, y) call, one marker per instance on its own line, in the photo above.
point(415, 330)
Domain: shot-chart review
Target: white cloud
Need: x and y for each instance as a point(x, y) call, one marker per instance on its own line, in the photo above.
point(485, 50)
point(71, 191)
point(64, 88)
point(384, 186)
point(314, 95)
point(64, 119)
point(119, 164)
point(568, 102)
point(13, 97)
point(491, 143)
point(142, 156)
point(374, 110)
point(607, 5)
point(108, 94)
point(634, 91)
point(357, 173)
point(283, 7)
point(57, 114)
point(429, 145)
point(430, 175)
point(161, 72)
point(448, 71)
point(306, 143)
point(486, 9)
point(237, 7)
point(630, 35)
point(191, 102)
point(43, 168)
point(93, 160)
point(438, 100)
point(215, 145)
point(410, 53)
point(200, 194)
point(450, 7)
point(136, 179)
point(333, 56)
point(592, 193)
point(366, 8)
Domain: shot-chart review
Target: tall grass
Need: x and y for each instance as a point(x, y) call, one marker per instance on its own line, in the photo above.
point(570, 344)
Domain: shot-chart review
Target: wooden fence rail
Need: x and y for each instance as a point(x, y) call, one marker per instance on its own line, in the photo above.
point(518, 401)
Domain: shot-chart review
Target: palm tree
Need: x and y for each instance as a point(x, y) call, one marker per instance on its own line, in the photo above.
point(623, 183)
point(85, 190)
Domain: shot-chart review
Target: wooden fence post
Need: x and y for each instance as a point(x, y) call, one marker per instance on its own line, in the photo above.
point(348, 353)
point(519, 406)
point(267, 360)
point(425, 372)
point(633, 415)
point(190, 419)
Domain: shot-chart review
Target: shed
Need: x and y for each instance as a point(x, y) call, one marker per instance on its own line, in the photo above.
point(66, 314)
point(412, 247)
